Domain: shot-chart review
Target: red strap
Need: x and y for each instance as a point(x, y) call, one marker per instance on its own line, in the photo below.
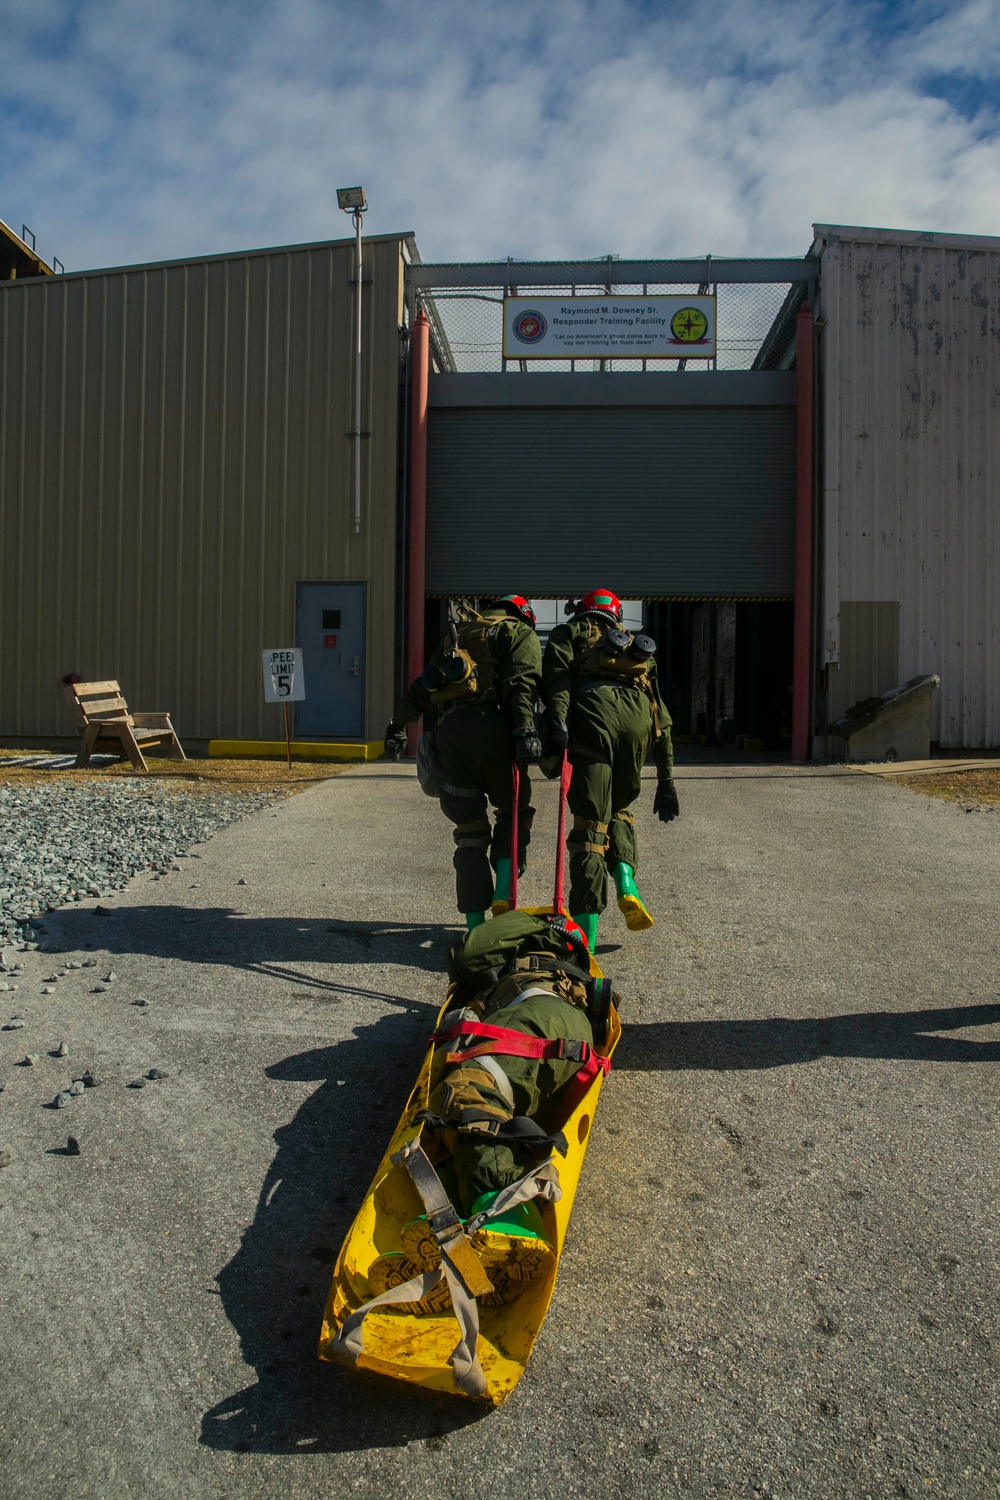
point(518, 1044)
point(474, 1028)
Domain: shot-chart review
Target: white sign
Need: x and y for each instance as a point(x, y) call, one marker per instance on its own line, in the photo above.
point(283, 678)
point(609, 327)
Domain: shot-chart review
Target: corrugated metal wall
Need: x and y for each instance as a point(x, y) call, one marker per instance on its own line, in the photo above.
point(911, 416)
point(173, 458)
point(663, 501)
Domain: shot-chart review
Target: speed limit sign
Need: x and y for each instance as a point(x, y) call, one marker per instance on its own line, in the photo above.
point(283, 677)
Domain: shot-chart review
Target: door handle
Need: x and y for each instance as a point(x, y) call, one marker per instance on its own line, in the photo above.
point(357, 666)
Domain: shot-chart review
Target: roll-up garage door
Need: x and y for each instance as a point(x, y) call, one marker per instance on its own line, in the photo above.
point(684, 502)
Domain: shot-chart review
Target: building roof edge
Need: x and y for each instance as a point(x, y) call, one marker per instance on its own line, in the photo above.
point(826, 234)
point(404, 237)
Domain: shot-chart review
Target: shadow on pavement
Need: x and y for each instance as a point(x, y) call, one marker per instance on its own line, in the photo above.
point(275, 1287)
point(778, 1041)
point(221, 935)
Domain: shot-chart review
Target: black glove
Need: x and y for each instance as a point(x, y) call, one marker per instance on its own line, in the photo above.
point(395, 740)
point(556, 736)
point(665, 803)
point(527, 747)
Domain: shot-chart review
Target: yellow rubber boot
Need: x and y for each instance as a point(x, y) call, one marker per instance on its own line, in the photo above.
point(630, 903)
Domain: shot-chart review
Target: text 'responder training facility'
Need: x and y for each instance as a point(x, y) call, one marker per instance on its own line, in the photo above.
point(790, 467)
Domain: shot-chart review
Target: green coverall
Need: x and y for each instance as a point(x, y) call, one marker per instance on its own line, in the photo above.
point(480, 1165)
point(611, 728)
point(474, 746)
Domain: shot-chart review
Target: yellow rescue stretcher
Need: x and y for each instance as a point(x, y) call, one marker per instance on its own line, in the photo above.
point(430, 1341)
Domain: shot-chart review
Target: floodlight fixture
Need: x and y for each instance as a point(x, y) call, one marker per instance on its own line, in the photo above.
point(351, 200)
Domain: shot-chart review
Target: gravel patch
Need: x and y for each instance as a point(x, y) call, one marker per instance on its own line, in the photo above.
point(65, 843)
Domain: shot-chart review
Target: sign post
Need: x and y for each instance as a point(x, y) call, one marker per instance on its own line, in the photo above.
point(284, 683)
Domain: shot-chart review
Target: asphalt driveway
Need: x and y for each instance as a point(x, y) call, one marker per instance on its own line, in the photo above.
point(782, 1277)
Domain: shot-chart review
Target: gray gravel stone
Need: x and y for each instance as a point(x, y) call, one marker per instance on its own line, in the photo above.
point(30, 1059)
point(156, 1073)
point(14, 1024)
point(76, 1087)
point(68, 842)
point(48, 989)
point(72, 1146)
point(91, 1080)
point(5, 1159)
point(137, 1083)
point(62, 1099)
point(62, 1050)
point(110, 977)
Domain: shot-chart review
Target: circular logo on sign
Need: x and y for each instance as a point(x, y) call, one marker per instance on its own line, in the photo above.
point(689, 325)
point(529, 327)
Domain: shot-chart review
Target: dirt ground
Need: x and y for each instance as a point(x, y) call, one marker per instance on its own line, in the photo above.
point(971, 788)
point(213, 775)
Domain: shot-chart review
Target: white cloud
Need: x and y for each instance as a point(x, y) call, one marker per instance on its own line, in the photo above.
point(144, 129)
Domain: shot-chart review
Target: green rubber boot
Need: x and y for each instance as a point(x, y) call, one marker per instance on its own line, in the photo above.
point(501, 897)
point(474, 919)
point(630, 903)
point(588, 920)
point(524, 1220)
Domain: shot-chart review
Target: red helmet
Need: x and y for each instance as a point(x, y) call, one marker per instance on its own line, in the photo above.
point(517, 604)
point(602, 602)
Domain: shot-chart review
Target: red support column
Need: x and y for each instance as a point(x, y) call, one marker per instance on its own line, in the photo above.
point(802, 650)
point(417, 540)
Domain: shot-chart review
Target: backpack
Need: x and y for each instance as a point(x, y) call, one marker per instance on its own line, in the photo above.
point(494, 961)
point(601, 660)
point(625, 658)
point(467, 671)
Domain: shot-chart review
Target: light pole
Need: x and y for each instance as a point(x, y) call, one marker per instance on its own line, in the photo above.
point(352, 201)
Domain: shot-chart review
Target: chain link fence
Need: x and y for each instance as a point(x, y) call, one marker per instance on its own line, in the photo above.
point(467, 322)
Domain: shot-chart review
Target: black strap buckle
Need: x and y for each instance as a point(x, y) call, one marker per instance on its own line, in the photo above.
point(571, 1049)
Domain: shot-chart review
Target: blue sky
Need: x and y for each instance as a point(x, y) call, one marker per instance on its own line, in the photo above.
point(145, 129)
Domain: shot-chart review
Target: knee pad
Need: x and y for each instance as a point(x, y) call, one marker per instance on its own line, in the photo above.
point(474, 835)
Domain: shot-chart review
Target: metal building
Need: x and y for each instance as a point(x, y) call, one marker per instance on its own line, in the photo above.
point(177, 490)
point(809, 518)
point(909, 350)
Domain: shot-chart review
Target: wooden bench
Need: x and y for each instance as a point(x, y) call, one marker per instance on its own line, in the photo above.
point(104, 716)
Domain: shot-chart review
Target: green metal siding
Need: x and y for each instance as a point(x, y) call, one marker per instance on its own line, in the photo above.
point(174, 458)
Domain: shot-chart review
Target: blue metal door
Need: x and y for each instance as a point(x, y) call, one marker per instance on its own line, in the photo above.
point(330, 628)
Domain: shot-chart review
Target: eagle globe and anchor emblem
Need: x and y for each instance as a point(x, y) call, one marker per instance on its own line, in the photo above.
point(529, 326)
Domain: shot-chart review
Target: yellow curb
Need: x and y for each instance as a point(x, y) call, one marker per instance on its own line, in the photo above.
point(304, 749)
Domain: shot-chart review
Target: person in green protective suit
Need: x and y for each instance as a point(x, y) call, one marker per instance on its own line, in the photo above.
point(603, 704)
point(481, 685)
point(521, 1042)
point(539, 985)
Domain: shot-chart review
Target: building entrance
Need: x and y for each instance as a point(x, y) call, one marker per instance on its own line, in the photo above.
point(330, 628)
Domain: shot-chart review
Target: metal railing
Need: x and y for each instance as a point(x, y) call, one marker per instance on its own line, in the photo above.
point(464, 302)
